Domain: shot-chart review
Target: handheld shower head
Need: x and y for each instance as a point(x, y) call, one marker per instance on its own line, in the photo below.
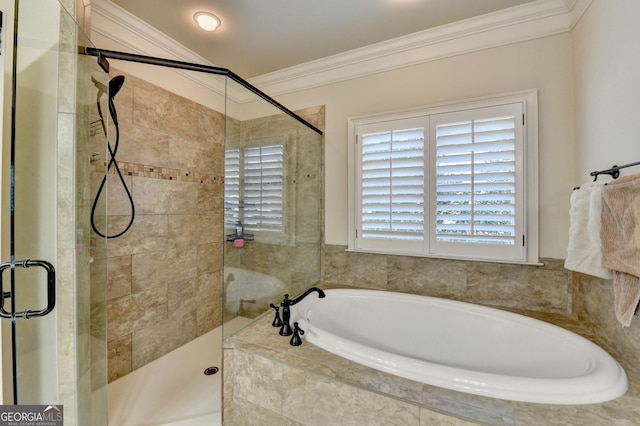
point(115, 85)
point(112, 89)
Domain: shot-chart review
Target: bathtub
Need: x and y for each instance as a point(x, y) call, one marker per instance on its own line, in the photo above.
point(173, 389)
point(461, 346)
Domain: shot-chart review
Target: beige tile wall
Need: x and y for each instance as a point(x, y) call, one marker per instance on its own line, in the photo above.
point(539, 288)
point(593, 306)
point(549, 288)
point(164, 274)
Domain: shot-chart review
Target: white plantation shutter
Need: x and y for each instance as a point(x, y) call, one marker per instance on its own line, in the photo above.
point(475, 181)
point(263, 189)
point(253, 188)
point(231, 186)
point(446, 181)
point(476, 187)
point(391, 183)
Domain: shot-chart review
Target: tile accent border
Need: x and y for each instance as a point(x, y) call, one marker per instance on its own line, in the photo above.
point(158, 172)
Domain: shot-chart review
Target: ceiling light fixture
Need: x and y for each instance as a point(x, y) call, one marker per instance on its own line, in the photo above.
point(207, 21)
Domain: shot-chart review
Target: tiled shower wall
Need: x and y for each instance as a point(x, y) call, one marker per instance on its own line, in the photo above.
point(164, 274)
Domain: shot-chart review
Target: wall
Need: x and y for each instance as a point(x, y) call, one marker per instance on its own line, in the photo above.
point(164, 274)
point(543, 63)
point(607, 88)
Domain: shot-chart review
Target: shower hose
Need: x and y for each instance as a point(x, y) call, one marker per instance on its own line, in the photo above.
point(114, 86)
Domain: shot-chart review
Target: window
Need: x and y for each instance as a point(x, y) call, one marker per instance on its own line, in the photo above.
point(447, 181)
point(254, 188)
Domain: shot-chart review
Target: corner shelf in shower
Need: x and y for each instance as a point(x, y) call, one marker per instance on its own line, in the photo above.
point(246, 237)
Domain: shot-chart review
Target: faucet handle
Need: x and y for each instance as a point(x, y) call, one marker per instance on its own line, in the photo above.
point(277, 322)
point(286, 301)
point(285, 330)
point(297, 332)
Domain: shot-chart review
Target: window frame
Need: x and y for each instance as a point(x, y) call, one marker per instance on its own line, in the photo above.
point(530, 201)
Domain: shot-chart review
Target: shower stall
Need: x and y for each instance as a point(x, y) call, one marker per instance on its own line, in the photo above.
point(221, 207)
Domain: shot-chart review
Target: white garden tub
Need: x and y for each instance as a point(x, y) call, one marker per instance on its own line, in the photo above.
point(461, 346)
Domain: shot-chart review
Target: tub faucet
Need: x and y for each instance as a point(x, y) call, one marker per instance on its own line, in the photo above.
point(286, 330)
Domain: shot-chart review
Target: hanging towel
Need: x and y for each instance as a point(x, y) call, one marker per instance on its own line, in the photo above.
point(620, 235)
point(584, 253)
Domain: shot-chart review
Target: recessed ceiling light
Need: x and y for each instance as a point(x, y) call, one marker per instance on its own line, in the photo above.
point(207, 21)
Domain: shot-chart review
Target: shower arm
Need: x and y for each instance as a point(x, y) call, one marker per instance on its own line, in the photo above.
point(102, 56)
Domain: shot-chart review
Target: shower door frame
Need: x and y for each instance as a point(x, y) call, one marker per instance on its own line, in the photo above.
point(48, 112)
point(103, 54)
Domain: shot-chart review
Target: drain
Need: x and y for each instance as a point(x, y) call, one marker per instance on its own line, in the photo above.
point(211, 370)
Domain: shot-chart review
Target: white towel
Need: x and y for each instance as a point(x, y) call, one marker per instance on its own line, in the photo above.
point(584, 253)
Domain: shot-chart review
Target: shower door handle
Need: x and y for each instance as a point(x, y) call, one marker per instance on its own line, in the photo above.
point(51, 289)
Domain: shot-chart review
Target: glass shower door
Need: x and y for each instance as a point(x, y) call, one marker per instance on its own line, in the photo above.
point(32, 229)
point(54, 332)
point(272, 206)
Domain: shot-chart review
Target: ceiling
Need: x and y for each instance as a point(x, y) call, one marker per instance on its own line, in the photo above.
point(259, 36)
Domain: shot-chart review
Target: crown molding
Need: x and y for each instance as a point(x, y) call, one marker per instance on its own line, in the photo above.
point(577, 8)
point(517, 24)
point(526, 22)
